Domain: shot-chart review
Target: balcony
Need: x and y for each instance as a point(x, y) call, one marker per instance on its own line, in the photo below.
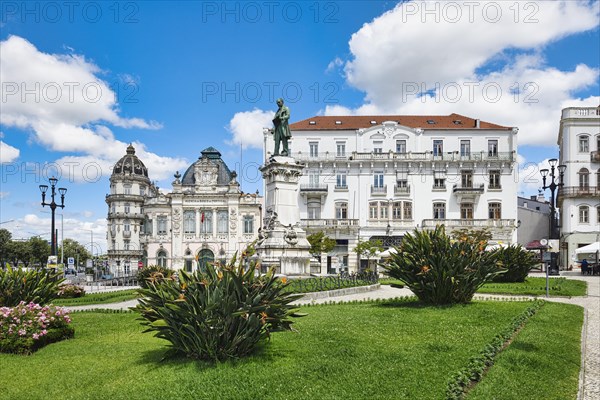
point(314, 189)
point(122, 215)
point(392, 223)
point(126, 234)
point(327, 156)
point(595, 156)
point(378, 190)
point(571, 192)
point(124, 197)
point(125, 253)
point(469, 223)
point(400, 190)
point(329, 223)
point(468, 189)
point(406, 156)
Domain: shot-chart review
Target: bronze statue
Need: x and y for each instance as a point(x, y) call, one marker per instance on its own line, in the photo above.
point(282, 129)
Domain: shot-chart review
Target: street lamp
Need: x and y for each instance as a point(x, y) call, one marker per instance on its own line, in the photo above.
point(554, 184)
point(53, 205)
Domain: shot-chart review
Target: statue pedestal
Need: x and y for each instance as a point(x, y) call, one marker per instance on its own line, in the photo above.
point(282, 242)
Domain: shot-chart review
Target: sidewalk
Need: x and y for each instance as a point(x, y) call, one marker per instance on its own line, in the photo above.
point(590, 377)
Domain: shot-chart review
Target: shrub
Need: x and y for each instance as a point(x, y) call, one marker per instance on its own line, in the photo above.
point(218, 314)
point(37, 286)
point(441, 270)
point(518, 263)
point(153, 273)
point(70, 291)
point(29, 326)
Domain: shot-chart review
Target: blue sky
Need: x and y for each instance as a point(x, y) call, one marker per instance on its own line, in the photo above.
point(178, 77)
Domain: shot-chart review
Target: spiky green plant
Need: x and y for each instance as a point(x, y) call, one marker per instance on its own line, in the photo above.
point(219, 314)
point(154, 273)
point(37, 286)
point(441, 270)
point(517, 261)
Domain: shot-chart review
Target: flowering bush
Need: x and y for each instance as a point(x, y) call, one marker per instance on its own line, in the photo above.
point(29, 326)
point(70, 291)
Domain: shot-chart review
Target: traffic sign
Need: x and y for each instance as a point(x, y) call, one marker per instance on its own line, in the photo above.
point(71, 261)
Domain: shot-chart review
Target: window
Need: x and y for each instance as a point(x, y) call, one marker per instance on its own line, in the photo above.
point(189, 222)
point(113, 207)
point(584, 214)
point(112, 189)
point(127, 189)
point(248, 224)
point(378, 147)
point(397, 210)
point(341, 149)
point(466, 211)
point(438, 147)
point(378, 210)
point(378, 179)
point(439, 183)
point(314, 208)
point(495, 179)
point(313, 179)
point(162, 259)
point(142, 190)
point(439, 210)
point(373, 210)
point(598, 214)
point(495, 211)
point(162, 225)
point(314, 149)
point(466, 179)
point(148, 227)
point(341, 210)
point(126, 244)
point(340, 181)
point(400, 146)
point(584, 178)
point(407, 210)
point(127, 208)
point(222, 222)
point(383, 210)
point(584, 144)
point(598, 142)
point(465, 148)
point(126, 225)
point(206, 222)
point(598, 179)
point(492, 148)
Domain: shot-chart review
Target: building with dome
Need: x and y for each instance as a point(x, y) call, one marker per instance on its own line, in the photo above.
point(206, 217)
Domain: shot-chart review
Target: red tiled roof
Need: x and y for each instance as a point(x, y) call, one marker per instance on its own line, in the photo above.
point(452, 121)
point(535, 245)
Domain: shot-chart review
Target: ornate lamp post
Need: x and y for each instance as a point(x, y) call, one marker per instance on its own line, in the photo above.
point(554, 184)
point(53, 205)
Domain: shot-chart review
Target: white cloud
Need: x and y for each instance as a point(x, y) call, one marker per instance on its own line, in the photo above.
point(8, 153)
point(334, 64)
point(247, 127)
point(68, 109)
point(405, 53)
point(4, 195)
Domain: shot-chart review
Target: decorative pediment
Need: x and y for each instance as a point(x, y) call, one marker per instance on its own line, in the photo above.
point(205, 172)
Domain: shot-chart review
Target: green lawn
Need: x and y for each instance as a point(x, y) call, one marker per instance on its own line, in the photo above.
point(531, 287)
point(537, 287)
point(392, 350)
point(99, 298)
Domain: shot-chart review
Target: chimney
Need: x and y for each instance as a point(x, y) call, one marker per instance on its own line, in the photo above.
point(477, 123)
point(541, 198)
point(534, 197)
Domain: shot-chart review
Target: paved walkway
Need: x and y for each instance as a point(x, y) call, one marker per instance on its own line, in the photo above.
point(589, 385)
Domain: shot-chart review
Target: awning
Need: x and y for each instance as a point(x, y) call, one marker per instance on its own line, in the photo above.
point(589, 249)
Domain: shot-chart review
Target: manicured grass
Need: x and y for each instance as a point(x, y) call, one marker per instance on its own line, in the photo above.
point(537, 287)
point(99, 298)
point(531, 287)
point(390, 350)
point(308, 285)
point(542, 362)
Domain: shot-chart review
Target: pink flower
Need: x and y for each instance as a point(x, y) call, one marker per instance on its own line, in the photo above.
point(35, 336)
point(43, 332)
point(22, 332)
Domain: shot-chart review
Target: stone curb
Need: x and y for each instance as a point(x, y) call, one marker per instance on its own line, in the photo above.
point(339, 292)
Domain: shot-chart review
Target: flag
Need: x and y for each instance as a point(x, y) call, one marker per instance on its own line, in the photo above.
point(202, 217)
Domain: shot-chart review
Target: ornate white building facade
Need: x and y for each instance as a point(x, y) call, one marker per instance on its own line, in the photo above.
point(206, 217)
point(379, 177)
point(579, 198)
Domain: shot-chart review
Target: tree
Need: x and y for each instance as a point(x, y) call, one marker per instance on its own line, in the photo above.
point(72, 248)
point(5, 239)
point(20, 252)
point(319, 243)
point(40, 250)
point(368, 248)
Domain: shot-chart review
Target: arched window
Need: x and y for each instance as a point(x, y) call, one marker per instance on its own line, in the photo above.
point(439, 210)
point(126, 225)
point(206, 222)
point(341, 210)
point(584, 178)
point(584, 214)
point(161, 258)
point(205, 256)
point(222, 222)
point(189, 222)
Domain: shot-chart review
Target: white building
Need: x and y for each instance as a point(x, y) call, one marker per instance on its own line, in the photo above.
point(382, 176)
point(579, 198)
point(204, 218)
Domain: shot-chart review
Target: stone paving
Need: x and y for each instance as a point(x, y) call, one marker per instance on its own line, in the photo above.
point(589, 385)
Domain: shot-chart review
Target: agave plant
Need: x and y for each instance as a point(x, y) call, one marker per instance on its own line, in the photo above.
point(442, 270)
point(218, 314)
point(518, 263)
point(36, 286)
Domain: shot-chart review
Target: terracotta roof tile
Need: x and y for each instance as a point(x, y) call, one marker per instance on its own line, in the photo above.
point(412, 121)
